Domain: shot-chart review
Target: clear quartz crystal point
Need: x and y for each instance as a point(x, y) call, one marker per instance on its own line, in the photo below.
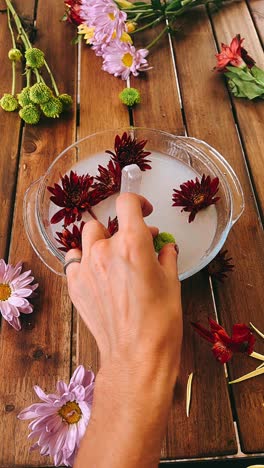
point(131, 179)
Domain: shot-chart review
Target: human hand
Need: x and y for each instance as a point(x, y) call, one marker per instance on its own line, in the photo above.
point(128, 297)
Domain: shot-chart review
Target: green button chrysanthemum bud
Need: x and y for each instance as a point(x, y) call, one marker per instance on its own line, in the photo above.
point(8, 102)
point(34, 58)
point(130, 96)
point(30, 114)
point(23, 97)
point(52, 108)
point(15, 55)
point(40, 93)
point(162, 239)
point(66, 101)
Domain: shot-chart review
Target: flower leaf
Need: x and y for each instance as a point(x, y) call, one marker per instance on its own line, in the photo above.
point(258, 74)
point(238, 86)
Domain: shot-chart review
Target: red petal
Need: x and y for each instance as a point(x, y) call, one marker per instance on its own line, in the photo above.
point(203, 332)
point(221, 352)
point(57, 217)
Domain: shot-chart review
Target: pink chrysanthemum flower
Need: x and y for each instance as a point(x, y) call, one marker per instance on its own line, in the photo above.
point(105, 17)
point(15, 287)
point(60, 420)
point(122, 58)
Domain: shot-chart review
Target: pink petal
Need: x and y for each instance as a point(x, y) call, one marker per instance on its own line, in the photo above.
point(61, 387)
point(41, 394)
point(2, 269)
point(17, 301)
point(27, 309)
point(29, 412)
point(15, 323)
point(24, 292)
point(78, 375)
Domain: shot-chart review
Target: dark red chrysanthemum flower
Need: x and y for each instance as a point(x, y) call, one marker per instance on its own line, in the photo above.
point(220, 265)
point(70, 240)
point(234, 54)
point(107, 182)
point(112, 226)
point(73, 11)
point(195, 195)
point(130, 151)
point(75, 197)
point(224, 346)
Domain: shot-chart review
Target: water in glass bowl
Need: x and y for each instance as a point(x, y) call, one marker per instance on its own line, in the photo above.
point(167, 173)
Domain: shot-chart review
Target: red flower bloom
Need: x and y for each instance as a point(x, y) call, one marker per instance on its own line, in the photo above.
point(219, 266)
point(234, 55)
point(108, 182)
point(224, 346)
point(73, 11)
point(195, 195)
point(75, 197)
point(112, 226)
point(130, 151)
point(70, 240)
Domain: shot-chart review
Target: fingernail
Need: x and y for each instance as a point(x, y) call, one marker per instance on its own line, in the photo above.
point(176, 248)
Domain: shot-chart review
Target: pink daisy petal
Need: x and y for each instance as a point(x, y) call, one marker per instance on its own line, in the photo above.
point(59, 420)
point(15, 323)
point(78, 375)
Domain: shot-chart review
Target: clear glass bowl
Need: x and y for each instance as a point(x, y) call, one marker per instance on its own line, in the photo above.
point(196, 154)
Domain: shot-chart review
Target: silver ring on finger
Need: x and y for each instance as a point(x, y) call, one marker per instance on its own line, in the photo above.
point(72, 260)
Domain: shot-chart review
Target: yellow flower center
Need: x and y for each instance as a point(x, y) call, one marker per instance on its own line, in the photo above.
point(127, 59)
point(198, 199)
point(5, 292)
point(111, 16)
point(70, 412)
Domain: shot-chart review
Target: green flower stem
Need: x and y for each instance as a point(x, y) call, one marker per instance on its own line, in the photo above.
point(13, 77)
point(19, 26)
point(148, 25)
point(11, 29)
point(28, 76)
point(151, 44)
point(52, 79)
point(137, 11)
point(35, 70)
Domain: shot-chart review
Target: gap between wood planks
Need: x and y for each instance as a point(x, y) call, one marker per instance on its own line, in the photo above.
point(252, 13)
point(237, 125)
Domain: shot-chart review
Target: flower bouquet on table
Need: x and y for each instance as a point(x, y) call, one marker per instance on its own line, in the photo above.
point(36, 99)
point(245, 79)
point(109, 27)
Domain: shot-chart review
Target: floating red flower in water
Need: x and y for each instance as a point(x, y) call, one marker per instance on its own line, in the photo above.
point(130, 151)
point(234, 55)
point(75, 197)
point(220, 265)
point(108, 182)
point(73, 11)
point(112, 226)
point(70, 240)
point(195, 195)
point(224, 346)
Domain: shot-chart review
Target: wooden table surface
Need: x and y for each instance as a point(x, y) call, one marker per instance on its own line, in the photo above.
point(54, 339)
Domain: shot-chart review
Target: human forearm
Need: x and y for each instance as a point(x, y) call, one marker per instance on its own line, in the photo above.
point(129, 417)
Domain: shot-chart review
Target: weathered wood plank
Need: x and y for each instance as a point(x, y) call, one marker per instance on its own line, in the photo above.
point(209, 116)
point(228, 22)
point(40, 353)
point(10, 126)
point(256, 8)
point(203, 434)
point(100, 109)
point(156, 92)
